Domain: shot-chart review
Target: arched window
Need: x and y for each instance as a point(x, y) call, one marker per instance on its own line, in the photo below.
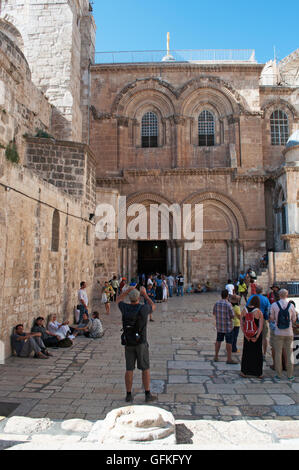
point(149, 130)
point(55, 231)
point(206, 129)
point(279, 127)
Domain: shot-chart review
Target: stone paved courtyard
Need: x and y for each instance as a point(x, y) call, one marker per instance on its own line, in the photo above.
point(87, 380)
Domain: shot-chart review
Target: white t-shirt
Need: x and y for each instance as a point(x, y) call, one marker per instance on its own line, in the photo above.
point(230, 288)
point(149, 283)
point(170, 280)
point(274, 317)
point(82, 294)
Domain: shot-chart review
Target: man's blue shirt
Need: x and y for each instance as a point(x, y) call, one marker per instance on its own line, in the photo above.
point(265, 305)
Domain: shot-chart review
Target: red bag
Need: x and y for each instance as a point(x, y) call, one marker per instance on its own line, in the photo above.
point(250, 327)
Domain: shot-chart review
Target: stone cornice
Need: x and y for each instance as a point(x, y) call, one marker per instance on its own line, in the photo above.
point(290, 236)
point(129, 173)
point(287, 90)
point(185, 66)
point(282, 170)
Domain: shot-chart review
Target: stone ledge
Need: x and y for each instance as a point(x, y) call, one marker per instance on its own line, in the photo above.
point(192, 435)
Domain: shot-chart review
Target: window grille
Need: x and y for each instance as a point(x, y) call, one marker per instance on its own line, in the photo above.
point(279, 128)
point(149, 130)
point(206, 129)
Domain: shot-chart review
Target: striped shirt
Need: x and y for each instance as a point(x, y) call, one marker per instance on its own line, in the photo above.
point(224, 314)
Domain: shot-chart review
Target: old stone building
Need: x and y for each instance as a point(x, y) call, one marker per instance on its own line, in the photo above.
point(77, 131)
point(178, 132)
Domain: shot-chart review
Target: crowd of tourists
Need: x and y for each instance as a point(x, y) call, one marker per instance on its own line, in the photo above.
point(159, 287)
point(264, 318)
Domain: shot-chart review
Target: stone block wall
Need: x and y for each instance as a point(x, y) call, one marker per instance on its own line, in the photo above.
point(23, 108)
point(57, 55)
point(67, 165)
point(35, 280)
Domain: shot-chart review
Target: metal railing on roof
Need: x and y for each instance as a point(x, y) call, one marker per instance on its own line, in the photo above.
point(210, 56)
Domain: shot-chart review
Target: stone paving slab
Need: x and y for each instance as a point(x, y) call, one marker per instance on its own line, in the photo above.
point(89, 377)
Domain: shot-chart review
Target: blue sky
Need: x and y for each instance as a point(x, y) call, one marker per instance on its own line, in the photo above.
point(196, 24)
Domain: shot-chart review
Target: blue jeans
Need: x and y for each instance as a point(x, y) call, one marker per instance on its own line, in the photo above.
point(170, 291)
point(82, 310)
point(180, 291)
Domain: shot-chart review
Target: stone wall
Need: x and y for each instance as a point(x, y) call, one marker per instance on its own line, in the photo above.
point(35, 279)
point(23, 108)
point(69, 166)
point(57, 55)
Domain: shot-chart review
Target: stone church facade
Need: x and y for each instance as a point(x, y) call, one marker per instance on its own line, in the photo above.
point(81, 134)
point(218, 138)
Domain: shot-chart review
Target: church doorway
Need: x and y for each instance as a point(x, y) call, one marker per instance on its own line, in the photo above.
point(152, 257)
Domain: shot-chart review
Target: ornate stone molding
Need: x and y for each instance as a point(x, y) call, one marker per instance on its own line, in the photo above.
point(278, 102)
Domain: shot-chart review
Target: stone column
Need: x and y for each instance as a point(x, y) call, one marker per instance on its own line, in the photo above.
point(173, 262)
point(169, 258)
point(271, 267)
point(129, 262)
point(124, 260)
point(189, 274)
point(179, 258)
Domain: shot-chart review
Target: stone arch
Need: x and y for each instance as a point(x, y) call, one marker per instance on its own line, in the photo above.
point(10, 30)
point(151, 87)
point(232, 211)
point(278, 103)
point(233, 102)
point(148, 198)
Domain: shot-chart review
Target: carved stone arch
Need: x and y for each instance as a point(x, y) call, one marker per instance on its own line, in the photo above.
point(279, 103)
point(125, 96)
point(141, 197)
point(236, 102)
point(8, 27)
point(146, 199)
point(142, 101)
point(230, 208)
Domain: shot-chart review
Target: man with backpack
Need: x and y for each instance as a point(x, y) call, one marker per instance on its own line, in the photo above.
point(134, 338)
point(284, 315)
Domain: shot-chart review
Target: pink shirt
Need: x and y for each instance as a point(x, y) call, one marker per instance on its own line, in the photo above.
point(274, 316)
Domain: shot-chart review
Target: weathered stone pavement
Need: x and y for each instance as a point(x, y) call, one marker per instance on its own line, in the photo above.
point(87, 380)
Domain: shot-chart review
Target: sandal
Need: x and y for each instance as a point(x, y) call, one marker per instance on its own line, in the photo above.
point(243, 375)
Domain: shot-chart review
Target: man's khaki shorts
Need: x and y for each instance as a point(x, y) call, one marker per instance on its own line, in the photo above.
point(138, 353)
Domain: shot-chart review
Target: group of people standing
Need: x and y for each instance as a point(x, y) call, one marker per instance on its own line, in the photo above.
point(159, 287)
point(260, 315)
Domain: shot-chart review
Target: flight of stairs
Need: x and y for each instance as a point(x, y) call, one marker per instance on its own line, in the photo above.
point(263, 279)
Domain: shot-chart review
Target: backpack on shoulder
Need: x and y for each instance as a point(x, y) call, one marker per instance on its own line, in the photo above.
point(130, 333)
point(250, 327)
point(283, 319)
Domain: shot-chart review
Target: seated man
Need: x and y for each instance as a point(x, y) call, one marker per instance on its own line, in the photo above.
point(198, 288)
point(50, 340)
point(83, 327)
point(25, 343)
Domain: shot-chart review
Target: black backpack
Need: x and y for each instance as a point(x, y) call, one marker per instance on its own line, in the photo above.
point(130, 332)
point(283, 319)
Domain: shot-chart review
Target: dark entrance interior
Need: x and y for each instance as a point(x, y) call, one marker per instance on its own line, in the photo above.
point(152, 257)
